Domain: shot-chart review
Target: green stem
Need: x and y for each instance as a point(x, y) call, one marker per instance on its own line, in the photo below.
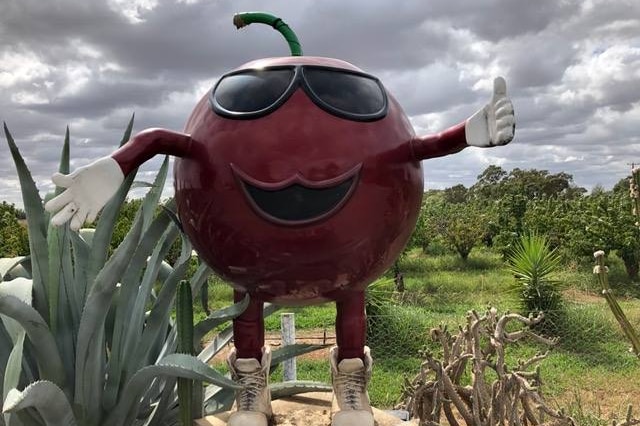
point(243, 19)
point(184, 323)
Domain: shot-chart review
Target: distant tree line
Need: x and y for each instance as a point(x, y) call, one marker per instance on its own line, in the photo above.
point(494, 212)
point(501, 206)
point(14, 238)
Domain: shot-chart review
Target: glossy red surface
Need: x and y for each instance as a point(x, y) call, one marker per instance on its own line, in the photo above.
point(316, 260)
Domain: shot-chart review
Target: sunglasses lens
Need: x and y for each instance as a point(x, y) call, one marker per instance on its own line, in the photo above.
point(345, 92)
point(252, 91)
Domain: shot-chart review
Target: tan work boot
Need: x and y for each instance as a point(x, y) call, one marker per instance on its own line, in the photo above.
point(254, 401)
point(350, 378)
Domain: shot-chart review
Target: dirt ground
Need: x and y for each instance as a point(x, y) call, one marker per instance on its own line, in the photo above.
point(311, 409)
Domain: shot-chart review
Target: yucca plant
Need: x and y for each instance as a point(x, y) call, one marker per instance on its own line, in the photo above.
point(89, 342)
point(533, 264)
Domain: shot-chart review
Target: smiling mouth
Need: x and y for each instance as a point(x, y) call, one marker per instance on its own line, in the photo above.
point(297, 200)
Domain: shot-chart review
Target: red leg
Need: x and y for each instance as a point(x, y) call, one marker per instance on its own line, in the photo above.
point(248, 329)
point(351, 325)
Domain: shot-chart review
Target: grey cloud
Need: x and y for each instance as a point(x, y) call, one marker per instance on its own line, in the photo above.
point(429, 54)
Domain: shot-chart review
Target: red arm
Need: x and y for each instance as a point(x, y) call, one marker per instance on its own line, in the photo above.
point(148, 143)
point(447, 142)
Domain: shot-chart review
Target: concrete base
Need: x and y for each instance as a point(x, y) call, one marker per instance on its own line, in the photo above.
point(309, 409)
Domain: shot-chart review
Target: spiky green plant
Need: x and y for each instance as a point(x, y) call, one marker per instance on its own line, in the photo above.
point(533, 264)
point(96, 346)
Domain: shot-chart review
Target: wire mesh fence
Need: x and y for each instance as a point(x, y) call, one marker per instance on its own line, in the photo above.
point(590, 361)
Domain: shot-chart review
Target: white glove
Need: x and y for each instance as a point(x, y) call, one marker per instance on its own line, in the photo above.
point(495, 123)
point(89, 188)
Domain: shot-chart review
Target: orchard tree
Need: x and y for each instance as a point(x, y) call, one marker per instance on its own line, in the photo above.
point(464, 227)
point(487, 186)
point(610, 225)
point(14, 239)
point(430, 220)
point(560, 221)
point(456, 194)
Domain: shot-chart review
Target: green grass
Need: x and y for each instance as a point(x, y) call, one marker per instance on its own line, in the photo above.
point(590, 363)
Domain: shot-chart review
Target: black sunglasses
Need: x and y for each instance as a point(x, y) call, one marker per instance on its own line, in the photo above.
point(254, 93)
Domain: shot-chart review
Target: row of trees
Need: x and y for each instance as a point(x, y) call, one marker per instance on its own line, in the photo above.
point(501, 206)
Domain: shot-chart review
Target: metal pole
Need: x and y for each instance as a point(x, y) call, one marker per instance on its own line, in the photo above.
point(288, 327)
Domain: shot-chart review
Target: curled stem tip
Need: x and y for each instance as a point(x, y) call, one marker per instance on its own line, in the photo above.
point(241, 20)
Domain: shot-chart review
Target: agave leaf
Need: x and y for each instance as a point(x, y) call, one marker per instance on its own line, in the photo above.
point(176, 365)
point(124, 307)
point(87, 235)
point(200, 277)
point(269, 308)
point(47, 398)
point(53, 288)
point(217, 399)
point(90, 353)
point(36, 225)
point(136, 319)
point(157, 320)
point(171, 342)
point(20, 271)
point(12, 370)
point(290, 351)
point(26, 417)
point(6, 346)
point(61, 280)
point(107, 221)
point(174, 217)
point(287, 389)
point(57, 239)
point(140, 184)
point(22, 288)
point(68, 315)
point(165, 271)
point(47, 356)
point(81, 252)
point(8, 263)
point(223, 338)
point(160, 414)
point(219, 317)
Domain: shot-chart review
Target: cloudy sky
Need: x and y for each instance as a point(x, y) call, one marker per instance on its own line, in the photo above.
point(572, 69)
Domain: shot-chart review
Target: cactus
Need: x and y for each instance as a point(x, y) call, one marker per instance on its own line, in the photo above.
point(188, 390)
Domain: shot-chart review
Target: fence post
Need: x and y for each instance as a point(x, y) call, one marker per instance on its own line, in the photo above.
point(288, 327)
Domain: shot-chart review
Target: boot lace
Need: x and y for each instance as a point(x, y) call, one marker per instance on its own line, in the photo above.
point(253, 384)
point(352, 386)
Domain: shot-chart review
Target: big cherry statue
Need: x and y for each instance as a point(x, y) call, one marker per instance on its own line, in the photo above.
point(298, 180)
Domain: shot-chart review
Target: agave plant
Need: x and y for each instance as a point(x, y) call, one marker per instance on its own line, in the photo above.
point(88, 337)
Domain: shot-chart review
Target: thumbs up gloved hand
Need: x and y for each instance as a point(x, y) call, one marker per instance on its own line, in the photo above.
point(494, 124)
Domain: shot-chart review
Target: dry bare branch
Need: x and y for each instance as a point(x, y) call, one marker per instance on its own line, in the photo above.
point(511, 399)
